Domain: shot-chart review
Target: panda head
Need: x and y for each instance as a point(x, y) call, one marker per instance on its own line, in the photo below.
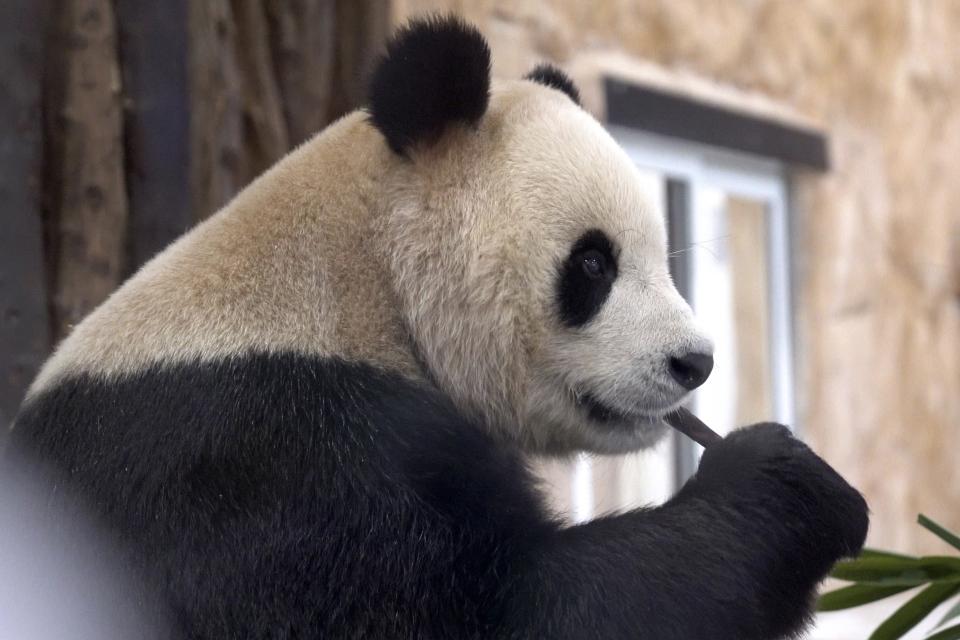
point(530, 266)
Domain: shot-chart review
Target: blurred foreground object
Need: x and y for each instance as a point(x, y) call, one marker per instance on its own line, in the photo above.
point(59, 578)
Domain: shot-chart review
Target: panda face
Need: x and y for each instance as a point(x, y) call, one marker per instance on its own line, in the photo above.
point(534, 273)
point(619, 347)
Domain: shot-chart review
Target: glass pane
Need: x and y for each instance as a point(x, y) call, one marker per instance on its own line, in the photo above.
point(747, 224)
point(730, 295)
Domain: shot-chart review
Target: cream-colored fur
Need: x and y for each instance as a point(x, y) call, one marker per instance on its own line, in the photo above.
point(447, 260)
point(290, 264)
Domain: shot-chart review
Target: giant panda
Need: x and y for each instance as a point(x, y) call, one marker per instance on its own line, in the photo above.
point(312, 415)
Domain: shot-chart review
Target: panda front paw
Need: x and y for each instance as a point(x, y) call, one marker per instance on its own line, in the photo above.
point(812, 512)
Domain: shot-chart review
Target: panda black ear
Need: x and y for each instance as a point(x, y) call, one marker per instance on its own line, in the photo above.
point(435, 71)
point(551, 76)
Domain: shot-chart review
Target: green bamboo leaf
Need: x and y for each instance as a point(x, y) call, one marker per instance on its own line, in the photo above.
point(855, 595)
point(951, 614)
point(950, 538)
point(868, 552)
point(953, 633)
point(884, 571)
point(914, 610)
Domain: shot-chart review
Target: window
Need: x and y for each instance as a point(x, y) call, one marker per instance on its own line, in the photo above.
point(722, 180)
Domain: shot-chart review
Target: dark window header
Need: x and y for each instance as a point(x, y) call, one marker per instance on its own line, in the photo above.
point(678, 116)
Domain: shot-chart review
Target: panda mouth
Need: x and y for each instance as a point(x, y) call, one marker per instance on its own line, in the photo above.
point(605, 414)
point(599, 411)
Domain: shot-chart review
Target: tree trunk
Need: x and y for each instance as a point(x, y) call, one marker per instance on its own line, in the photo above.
point(88, 212)
point(24, 327)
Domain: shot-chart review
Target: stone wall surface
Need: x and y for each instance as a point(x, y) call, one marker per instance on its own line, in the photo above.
point(877, 238)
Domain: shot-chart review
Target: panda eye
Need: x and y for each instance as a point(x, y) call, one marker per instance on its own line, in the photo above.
point(594, 264)
point(586, 278)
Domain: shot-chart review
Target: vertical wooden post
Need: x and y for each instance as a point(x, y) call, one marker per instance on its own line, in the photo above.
point(24, 330)
point(153, 52)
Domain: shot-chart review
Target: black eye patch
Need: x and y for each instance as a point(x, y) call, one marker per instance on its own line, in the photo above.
point(586, 277)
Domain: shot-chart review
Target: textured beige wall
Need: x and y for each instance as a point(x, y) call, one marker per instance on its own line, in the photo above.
point(878, 240)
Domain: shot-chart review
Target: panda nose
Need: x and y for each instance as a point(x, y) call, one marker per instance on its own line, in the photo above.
point(691, 369)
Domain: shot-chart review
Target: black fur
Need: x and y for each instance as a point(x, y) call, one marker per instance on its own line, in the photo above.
point(579, 295)
point(436, 71)
point(289, 497)
point(551, 76)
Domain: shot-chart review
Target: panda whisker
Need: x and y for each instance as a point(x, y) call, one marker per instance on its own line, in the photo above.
point(698, 245)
